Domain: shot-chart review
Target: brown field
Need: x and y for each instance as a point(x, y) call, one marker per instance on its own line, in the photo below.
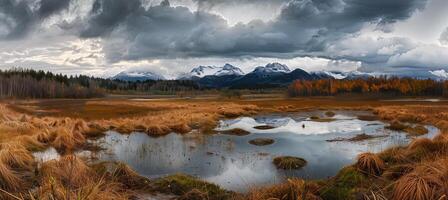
point(419, 171)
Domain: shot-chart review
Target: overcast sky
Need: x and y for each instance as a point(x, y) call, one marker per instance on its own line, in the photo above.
point(105, 37)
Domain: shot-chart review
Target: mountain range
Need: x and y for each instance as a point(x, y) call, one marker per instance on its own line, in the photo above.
point(202, 71)
point(268, 76)
point(137, 76)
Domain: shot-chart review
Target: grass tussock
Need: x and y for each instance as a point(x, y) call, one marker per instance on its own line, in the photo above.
point(69, 170)
point(261, 141)
point(123, 174)
point(264, 127)
point(427, 181)
point(71, 178)
point(397, 126)
point(344, 185)
point(411, 130)
point(235, 131)
point(417, 130)
point(368, 117)
point(9, 179)
point(66, 141)
point(16, 156)
point(370, 164)
point(289, 162)
point(330, 114)
point(16, 167)
point(188, 186)
point(292, 189)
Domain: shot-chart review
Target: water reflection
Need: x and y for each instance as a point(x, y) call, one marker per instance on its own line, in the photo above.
point(233, 163)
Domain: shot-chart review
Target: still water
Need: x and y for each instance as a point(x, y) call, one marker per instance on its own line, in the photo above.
point(233, 163)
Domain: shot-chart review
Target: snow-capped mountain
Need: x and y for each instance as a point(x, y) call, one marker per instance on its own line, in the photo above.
point(343, 75)
point(229, 69)
point(327, 74)
point(272, 68)
point(202, 71)
point(138, 76)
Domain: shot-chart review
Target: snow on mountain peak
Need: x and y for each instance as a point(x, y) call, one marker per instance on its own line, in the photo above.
point(229, 69)
point(202, 71)
point(272, 68)
point(138, 76)
point(440, 73)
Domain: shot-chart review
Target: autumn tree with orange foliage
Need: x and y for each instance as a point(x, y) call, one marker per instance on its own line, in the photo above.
point(380, 86)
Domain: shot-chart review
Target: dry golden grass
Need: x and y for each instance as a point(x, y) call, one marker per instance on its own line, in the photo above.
point(70, 170)
point(9, 179)
point(16, 166)
point(67, 125)
point(128, 177)
point(16, 156)
point(67, 141)
point(71, 178)
point(370, 164)
point(292, 189)
point(427, 181)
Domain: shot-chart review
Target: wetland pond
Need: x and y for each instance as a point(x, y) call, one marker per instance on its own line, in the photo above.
point(233, 163)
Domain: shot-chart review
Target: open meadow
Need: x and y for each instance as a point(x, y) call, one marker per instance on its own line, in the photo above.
point(415, 171)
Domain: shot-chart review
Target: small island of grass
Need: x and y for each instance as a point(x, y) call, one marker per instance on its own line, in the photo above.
point(289, 162)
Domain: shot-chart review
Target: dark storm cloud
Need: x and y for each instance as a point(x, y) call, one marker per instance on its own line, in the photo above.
point(444, 37)
point(131, 31)
point(204, 5)
point(17, 17)
point(49, 7)
point(107, 14)
point(304, 27)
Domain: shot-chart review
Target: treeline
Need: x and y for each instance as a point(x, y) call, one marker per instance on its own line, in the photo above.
point(379, 86)
point(28, 83)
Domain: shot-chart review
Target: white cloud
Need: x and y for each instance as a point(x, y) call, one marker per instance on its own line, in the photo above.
point(423, 56)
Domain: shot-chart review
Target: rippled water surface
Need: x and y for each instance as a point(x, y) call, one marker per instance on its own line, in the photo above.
point(233, 163)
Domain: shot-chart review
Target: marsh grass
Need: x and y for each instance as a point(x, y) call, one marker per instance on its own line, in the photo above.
point(417, 169)
point(344, 185)
point(370, 164)
point(397, 126)
point(183, 185)
point(292, 189)
point(261, 141)
point(264, 127)
point(123, 174)
point(417, 130)
point(330, 114)
point(235, 131)
point(368, 117)
point(427, 181)
point(16, 166)
point(289, 162)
